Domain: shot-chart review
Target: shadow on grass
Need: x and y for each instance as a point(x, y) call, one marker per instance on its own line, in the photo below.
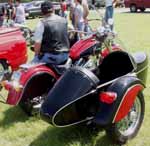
point(104, 141)
point(71, 136)
point(138, 12)
point(13, 115)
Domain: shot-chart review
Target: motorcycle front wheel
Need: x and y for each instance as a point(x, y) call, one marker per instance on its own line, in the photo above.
point(128, 127)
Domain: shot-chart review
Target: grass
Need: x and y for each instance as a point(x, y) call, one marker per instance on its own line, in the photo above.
point(16, 129)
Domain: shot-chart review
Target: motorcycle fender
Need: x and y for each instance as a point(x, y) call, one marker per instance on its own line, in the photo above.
point(15, 96)
point(127, 89)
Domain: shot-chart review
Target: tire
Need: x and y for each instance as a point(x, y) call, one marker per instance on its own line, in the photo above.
point(32, 99)
point(120, 135)
point(142, 9)
point(3, 68)
point(133, 8)
point(28, 105)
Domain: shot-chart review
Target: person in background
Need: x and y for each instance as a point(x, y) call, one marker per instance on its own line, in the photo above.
point(10, 11)
point(63, 9)
point(109, 11)
point(79, 18)
point(85, 15)
point(2, 14)
point(20, 13)
point(71, 13)
point(51, 37)
point(85, 12)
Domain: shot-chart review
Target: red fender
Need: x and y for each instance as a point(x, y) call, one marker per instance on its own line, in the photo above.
point(14, 95)
point(127, 102)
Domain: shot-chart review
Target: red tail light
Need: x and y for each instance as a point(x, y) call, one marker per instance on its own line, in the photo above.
point(107, 97)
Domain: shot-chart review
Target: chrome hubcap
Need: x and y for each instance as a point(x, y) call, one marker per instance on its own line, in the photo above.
point(128, 125)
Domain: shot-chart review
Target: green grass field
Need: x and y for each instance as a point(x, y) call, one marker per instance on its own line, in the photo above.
point(16, 129)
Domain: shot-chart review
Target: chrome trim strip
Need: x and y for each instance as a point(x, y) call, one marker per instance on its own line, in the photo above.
point(100, 86)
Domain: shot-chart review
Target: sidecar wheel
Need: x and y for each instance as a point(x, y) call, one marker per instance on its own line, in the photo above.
point(128, 127)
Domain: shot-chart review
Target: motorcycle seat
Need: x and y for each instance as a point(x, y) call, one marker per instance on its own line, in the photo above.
point(60, 68)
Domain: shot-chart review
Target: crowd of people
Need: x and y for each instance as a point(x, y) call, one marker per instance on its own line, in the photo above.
point(12, 13)
point(51, 41)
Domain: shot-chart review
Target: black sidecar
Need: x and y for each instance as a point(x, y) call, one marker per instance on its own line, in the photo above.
point(106, 96)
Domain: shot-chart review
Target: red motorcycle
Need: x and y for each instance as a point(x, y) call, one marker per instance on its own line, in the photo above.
point(13, 50)
point(109, 95)
point(29, 85)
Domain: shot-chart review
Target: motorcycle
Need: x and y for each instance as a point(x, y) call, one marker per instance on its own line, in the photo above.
point(13, 51)
point(29, 86)
point(108, 96)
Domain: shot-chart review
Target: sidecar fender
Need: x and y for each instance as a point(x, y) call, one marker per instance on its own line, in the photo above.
point(127, 89)
point(30, 82)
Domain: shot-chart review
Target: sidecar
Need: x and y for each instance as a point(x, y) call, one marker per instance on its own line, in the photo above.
point(109, 97)
point(13, 49)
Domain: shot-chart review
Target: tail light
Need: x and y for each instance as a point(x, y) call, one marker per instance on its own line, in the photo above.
point(107, 97)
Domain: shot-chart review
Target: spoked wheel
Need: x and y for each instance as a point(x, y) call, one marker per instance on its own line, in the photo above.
point(32, 107)
point(3, 70)
point(133, 8)
point(128, 127)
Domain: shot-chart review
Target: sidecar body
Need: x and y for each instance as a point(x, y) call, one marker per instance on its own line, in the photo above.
point(78, 96)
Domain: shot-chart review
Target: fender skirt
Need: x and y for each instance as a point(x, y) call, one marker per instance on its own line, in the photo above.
point(127, 88)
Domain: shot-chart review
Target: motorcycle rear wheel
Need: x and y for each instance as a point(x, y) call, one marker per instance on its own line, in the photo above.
point(128, 127)
point(32, 107)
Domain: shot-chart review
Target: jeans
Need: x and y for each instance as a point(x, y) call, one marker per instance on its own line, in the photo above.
point(80, 27)
point(109, 14)
point(50, 58)
point(1, 20)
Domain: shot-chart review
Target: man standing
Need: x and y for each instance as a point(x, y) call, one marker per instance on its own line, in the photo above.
point(10, 11)
point(2, 14)
point(85, 14)
point(51, 37)
point(20, 13)
point(109, 11)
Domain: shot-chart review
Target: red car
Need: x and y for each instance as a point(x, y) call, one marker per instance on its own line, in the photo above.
point(134, 5)
point(13, 49)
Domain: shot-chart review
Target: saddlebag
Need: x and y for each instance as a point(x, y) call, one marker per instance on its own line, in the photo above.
point(67, 102)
